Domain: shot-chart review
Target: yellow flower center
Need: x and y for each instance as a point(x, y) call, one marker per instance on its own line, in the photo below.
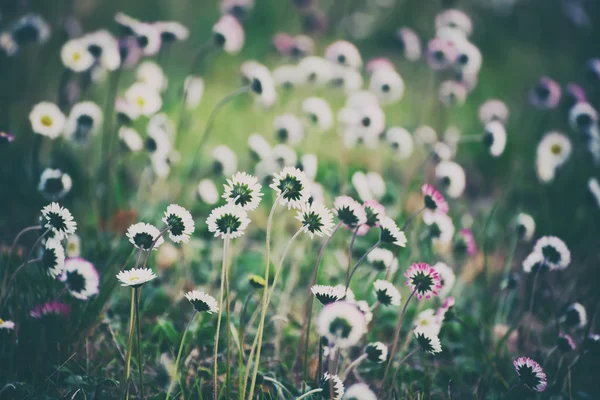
point(76, 56)
point(1, 321)
point(556, 149)
point(141, 101)
point(134, 278)
point(47, 121)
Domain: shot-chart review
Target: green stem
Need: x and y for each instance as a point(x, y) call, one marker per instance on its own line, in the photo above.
point(216, 352)
point(175, 377)
point(129, 345)
point(305, 395)
point(360, 260)
point(228, 306)
point(412, 217)
point(137, 291)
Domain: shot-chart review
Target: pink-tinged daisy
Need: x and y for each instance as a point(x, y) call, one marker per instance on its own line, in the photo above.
point(441, 53)
point(344, 53)
point(8, 325)
point(565, 343)
point(445, 311)
point(434, 199)
point(424, 280)
point(466, 242)
point(545, 94)
point(50, 308)
point(328, 294)
point(531, 373)
point(350, 211)
point(390, 233)
point(6, 137)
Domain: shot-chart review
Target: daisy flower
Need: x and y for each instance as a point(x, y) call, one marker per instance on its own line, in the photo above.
point(386, 292)
point(565, 343)
point(47, 120)
point(288, 129)
point(136, 277)
point(202, 301)
point(229, 34)
point(49, 309)
point(287, 76)
point(81, 278)
point(316, 70)
point(54, 184)
point(332, 387)
point(494, 138)
point(75, 56)
point(409, 43)
point(428, 340)
point(171, 31)
point(554, 148)
point(207, 192)
point(73, 246)
point(447, 278)
point(434, 200)
point(228, 221)
point(194, 89)
point(261, 83)
point(451, 177)
point(525, 226)
point(533, 262)
point(493, 110)
point(142, 235)
point(455, 19)
point(84, 120)
point(350, 211)
point(374, 212)
point(260, 149)
point(466, 242)
point(148, 38)
point(531, 373)
point(575, 316)
point(546, 94)
point(594, 190)
point(441, 228)
point(8, 325)
point(441, 53)
point(388, 85)
point(316, 219)
point(151, 74)
point(376, 352)
point(468, 60)
point(342, 323)
point(428, 320)
point(224, 160)
point(424, 280)
point(318, 113)
point(582, 116)
point(425, 135)
point(555, 251)
point(53, 257)
point(59, 220)
point(126, 112)
point(452, 93)
point(344, 53)
point(347, 79)
point(104, 48)
point(309, 164)
point(284, 156)
point(130, 139)
point(328, 294)
point(359, 391)
point(382, 260)
point(30, 28)
point(144, 98)
point(180, 222)
point(401, 142)
point(291, 186)
point(243, 190)
point(441, 151)
point(390, 233)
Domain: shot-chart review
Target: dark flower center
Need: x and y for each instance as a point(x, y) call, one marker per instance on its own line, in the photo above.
point(488, 139)
point(283, 134)
point(521, 230)
point(379, 265)
point(143, 240)
point(151, 145)
point(528, 377)
point(341, 59)
point(430, 203)
point(241, 194)
point(56, 221)
point(168, 36)
point(290, 188)
point(228, 222)
point(372, 217)
point(312, 77)
point(142, 41)
point(75, 281)
point(347, 216)
point(434, 230)
point(200, 305)
point(176, 225)
point(385, 88)
point(424, 342)
point(26, 33)
point(422, 282)
point(326, 298)
point(542, 91)
point(340, 327)
point(219, 39)
point(95, 50)
point(551, 254)
point(563, 344)
point(439, 56)
point(383, 297)
point(366, 121)
point(374, 353)
point(49, 258)
point(386, 236)
point(257, 86)
point(463, 59)
point(445, 181)
point(583, 120)
point(54, 186)
point(572, 317)
point(312, 221)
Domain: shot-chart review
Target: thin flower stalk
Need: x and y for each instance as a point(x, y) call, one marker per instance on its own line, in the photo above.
point(175, 377)
point(216, 346)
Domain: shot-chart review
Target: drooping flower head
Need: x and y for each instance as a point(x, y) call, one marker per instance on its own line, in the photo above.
point(494, 138)
point(229, 34)
point(447, 278)
point(428, 340)
point(451, 177)
point(555, 251)
point(332, 387)
point(84, 120)
point(434, 200)
point(350, 211)
point(136, 277)
point(374, 212)
point(180, 222)
point(565, 343)
point(376, 352)
point(59, 220)
point(316, 219)
point(342, 323)
point(525, 226)
point(54, 184)
point(493, 110)
point(386, 292)
point(440, 226)
point(531, 373)
point(51, 308)
point(382, 260)
point(428, 319)
point(81, 278)
point(546, 94)
point(202, 302)
point(291, 186)
point(344, 53)
point(533, 262)
point(409, 43)
point(142, 235)
point(243, 190)
point(424, 280)
point(390, 233)
point(53, 257)
point(575, 316)
point(328, 294)
point(228, 221)
point(466, 242)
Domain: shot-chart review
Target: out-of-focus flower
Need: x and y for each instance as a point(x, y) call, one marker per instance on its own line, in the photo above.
point(81, 278)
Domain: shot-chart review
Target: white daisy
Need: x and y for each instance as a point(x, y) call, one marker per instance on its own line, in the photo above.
point(288, 129)
point(441, 227)
point(401, 142)
point(531, 374)
point(427, 319)
point(342, 323)
point(151, 74)
point(84, 120)
point(143, 235)
point(428, 340)
point(364, 307)
point(131, 140)
point(309, 164)
point(447, 277)
point(8, 325)
point(344, 53)
point(410, 45)
point(224, 160)
point(229, 34)
point(359, 391)
point(180, 222)
point(383, 260)
point(287, 76)
point(104, 48)
point(54, 184)
point(390, 233)
point(126, 112)
point(261, 84)
point(316, 219)
point(194, 89)
point(386, 292)
point(451, 177)
point(148, 38)
point(47, 119)
point(75, 56)
point(73, 246)
point(315, 70)
point(452, 93)
point(332, 387)
point(494, 138)
point(202, 301)
point(284, 156)
point(243, 190)
point(350, 211)
point(291, 187)
point(361, 185)
point(554, 148)
point(594, 188)
point(376, 352)
point(260, 149)
point(388, 85)
point(171, 31)
point(53, 257)
point(59, 220)
point(525, 226)
point(81, 278)
point(228, 221)
point(348, 79)
point(329, 294)
point(144, 98)
point(493, 110)
point(136, 277)
point(440, 151)
point(576, 316)
point(207, 192)
point(361, 98)
point(454, 19)
point(533, 262)
point(425, 135)
point(582, 116)
point(555, 251)
point(376, 184)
